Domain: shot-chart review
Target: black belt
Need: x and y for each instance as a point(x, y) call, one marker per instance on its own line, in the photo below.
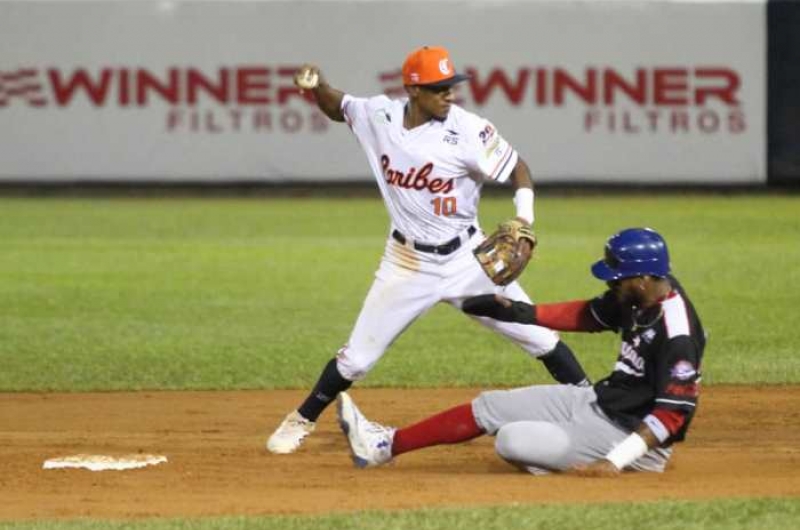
point(443, 249)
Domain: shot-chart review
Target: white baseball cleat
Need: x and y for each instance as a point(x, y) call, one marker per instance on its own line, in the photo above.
point(370, 442)
point(289, 436)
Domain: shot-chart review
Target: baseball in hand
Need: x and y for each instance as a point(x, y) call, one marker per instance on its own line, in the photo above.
point(307, 79)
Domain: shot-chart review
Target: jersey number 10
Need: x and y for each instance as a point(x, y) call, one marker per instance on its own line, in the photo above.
point(444, 206)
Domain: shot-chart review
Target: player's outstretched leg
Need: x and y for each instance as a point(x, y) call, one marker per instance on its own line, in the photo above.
point(372, 444)
point(288, 437)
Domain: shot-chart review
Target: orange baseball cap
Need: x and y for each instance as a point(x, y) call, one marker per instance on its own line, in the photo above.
point(430, 66)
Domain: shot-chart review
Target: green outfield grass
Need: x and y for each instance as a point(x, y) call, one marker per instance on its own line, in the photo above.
point(127, 294)
point(116, 294)
point(755, 514)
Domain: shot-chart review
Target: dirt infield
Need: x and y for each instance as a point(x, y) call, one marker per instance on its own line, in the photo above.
point(745, 443)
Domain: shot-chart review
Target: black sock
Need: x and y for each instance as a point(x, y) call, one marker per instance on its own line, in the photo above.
point(564, 367)
point(327, 388)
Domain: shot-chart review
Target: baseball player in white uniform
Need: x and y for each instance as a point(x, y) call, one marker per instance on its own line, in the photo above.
point(430, 159)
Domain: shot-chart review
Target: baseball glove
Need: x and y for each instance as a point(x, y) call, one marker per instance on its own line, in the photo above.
point(502, 255)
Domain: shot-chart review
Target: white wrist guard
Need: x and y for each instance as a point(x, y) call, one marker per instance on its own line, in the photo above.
point(658, 428)
point(628, 451)
point(523, 200)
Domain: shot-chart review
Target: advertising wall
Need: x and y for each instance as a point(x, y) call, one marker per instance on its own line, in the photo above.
point(603, 91)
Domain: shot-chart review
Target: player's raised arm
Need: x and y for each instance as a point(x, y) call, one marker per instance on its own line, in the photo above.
point(329, 99)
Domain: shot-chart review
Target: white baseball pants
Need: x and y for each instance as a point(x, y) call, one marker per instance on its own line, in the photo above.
point(408, 283)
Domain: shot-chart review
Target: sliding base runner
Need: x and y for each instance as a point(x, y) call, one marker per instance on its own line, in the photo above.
point(629, 420)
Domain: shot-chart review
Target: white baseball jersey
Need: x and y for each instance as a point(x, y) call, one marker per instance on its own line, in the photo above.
point(430, 176)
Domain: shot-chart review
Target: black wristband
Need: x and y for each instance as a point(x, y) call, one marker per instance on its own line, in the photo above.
point(522, 312)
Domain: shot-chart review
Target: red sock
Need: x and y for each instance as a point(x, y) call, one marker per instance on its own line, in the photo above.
point(448, 427)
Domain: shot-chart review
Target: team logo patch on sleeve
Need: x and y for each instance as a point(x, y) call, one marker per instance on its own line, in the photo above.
point(487, 134)
point(683, 371)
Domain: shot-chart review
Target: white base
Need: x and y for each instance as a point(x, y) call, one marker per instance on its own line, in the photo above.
point(104, 462)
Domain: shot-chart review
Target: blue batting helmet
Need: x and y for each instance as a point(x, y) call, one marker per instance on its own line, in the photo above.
point(633, 252)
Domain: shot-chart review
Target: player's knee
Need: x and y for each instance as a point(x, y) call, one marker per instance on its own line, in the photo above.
point(511, 445)
point(545, 343)
point(535, 340)
point(354, 366)
point(533, 443)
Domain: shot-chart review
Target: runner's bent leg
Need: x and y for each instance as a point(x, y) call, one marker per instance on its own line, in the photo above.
point(459, 424)
point(547, 427)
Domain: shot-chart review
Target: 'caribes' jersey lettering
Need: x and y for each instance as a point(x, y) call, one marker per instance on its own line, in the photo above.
point(430, 176)
point(417, 182)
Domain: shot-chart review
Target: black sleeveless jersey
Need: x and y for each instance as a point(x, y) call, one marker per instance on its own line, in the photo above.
point(659, 360)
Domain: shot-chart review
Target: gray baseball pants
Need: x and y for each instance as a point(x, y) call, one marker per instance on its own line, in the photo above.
point(547, 428)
